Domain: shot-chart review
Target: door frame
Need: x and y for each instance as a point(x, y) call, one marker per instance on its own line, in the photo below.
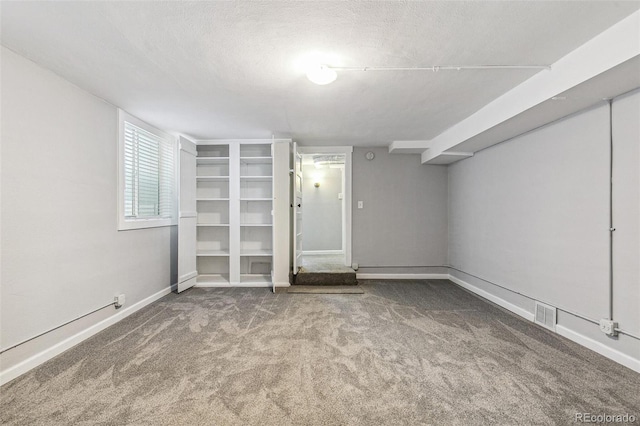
point(187, 215)
point(295, 196)
point(347, 196)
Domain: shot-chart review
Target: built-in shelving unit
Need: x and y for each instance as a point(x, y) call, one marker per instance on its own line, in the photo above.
point(234, 202)
point(256, 213)
point(212, 205)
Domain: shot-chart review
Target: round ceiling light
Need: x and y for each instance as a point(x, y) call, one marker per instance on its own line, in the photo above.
point(321, 74)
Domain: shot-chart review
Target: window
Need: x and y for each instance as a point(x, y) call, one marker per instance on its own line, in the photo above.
point(147, 177)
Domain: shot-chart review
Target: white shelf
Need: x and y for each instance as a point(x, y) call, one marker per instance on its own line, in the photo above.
point(256, 199)
point(213, 224)
point(255, 279)
point(257, 224)
point(256, 160)
point(212, 199)
point(263, 178)
point(212, 177)
point(212, 160)
point(212, 253)
point(212, 280)
point(265, 253)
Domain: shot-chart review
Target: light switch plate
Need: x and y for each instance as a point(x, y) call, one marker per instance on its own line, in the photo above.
point(360, 204)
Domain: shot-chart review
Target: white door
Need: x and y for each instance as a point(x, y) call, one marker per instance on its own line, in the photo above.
point(187, 216)
point(297, 210)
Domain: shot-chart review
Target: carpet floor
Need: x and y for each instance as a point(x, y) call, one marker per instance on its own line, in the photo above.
point(325, 289)
point(412, 352)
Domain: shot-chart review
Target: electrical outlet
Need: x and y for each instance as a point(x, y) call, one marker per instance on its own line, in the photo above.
point(118, 301)
point(608, 327)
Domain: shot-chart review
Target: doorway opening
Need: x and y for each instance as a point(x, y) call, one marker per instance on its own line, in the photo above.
point(323, 187)
point(325, 218)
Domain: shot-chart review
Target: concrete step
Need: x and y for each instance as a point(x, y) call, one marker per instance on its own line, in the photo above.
point(305, 277)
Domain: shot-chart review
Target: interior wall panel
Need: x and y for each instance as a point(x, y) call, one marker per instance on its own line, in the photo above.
point(626, 211)
point(532, 214)
point(403, 222)
point(62, 254)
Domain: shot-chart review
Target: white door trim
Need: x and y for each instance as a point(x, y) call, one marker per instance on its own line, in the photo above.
point(187, 217)
point(298, 206)
point(348, 164)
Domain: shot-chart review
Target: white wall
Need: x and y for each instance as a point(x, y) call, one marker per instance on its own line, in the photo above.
point(322, 211)
point(534, 212)
point(62, 255)
point(532, 215)
point(403, 222)
point(626, 211)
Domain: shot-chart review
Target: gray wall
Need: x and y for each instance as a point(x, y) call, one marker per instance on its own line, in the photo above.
point(532, 215)
point(626, 211)
point(529, 212)
point(404, 219)
point(62, 255)
point(322, 211)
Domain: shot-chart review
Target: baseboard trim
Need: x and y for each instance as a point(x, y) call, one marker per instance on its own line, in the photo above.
point(47, 354)
point(227, 285)
point(373, 276)
point(587, 342)
point(321, 252)
point(600, 348)
point(493, 298)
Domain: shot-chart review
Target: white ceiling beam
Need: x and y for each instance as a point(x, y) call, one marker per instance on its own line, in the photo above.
point(407, 147)
point(444, 157)
point(618, 44)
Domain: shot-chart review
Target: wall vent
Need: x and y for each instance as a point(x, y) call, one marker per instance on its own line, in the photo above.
point(546, 316)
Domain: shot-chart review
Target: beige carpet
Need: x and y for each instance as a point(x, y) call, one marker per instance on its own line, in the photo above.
point(412, 352)
point(325, 289)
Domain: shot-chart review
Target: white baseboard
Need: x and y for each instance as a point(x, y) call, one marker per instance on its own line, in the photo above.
point(227, 285)
point(321, 252)
point(495, 299)
point(580, 339)
point(600, 348)
point(374, 276)
point(46, 354)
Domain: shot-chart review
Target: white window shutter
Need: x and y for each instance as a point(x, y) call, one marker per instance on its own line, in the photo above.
point(148, 174)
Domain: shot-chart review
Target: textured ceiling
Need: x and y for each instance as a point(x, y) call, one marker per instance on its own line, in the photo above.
point(228, 69)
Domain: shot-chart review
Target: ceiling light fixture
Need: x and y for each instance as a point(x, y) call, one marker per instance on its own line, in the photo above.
point(321, 74)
